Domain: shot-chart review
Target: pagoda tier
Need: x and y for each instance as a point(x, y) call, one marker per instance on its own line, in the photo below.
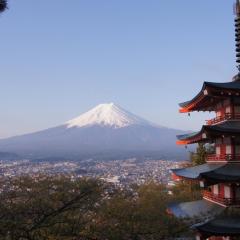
point(211, 95)
point(195, 173)
point(211, 173)
point(225, 138)
point(222, 226)
point(209, 133)
point(221, 182)
point(208, 219)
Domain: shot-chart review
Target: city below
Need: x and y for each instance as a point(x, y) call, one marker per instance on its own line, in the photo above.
point(122, 173)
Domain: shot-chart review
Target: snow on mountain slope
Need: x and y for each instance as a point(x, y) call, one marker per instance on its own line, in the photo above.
point(107, 115)
point(105, 129)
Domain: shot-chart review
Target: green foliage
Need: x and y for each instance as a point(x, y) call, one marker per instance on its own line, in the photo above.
point(186, 191)
point(49, 208)
point(199, 157)
point(139, 216)
point(59, 208)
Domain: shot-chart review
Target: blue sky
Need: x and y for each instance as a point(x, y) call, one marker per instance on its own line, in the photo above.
point(60, 58)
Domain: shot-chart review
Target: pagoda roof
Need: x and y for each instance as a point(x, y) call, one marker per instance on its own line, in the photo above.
point(200, 210)
point(225, 85)
point(220, 226)
point(209, 96)
point(211, 173)
point(228, 173)
point(209, 132)
point(209, 219)
point(195, 172)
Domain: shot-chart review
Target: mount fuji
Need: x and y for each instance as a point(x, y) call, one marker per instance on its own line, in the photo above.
point(105, 131)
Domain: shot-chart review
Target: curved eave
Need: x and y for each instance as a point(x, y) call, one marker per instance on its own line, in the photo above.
point(196, 210)
point(201, 100)
point(189, 105)
point(190, 138)
point(225, 226)
point(227, 128)
point(211, 173)
point(194, 173)
point(227, 173)
point(230, 128)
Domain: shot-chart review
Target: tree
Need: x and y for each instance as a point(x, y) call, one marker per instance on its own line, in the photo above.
point(59, 208)
point(199, 157)
point(3, 5)
point(185, 191)
point(138, 216)
point(47, 208)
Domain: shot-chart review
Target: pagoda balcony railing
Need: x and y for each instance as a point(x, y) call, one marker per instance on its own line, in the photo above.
point(223, 157)
point(226, 116)
point(220, 199)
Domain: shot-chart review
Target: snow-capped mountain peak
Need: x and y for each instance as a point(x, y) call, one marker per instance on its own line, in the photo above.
point(105, 132)
point(110, 115)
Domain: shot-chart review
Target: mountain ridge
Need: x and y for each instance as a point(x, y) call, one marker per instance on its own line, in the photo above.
point(105, 128)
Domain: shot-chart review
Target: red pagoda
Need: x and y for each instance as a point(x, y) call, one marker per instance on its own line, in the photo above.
point(217, 215)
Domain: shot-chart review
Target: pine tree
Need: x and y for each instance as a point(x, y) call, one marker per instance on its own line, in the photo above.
point(199, 157)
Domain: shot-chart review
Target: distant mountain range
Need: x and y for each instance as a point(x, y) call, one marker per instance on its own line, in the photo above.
point(8, 156)
point(106, 131)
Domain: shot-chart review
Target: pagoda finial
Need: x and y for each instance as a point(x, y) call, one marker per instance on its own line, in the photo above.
point(237, 8)
point(237, 35)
